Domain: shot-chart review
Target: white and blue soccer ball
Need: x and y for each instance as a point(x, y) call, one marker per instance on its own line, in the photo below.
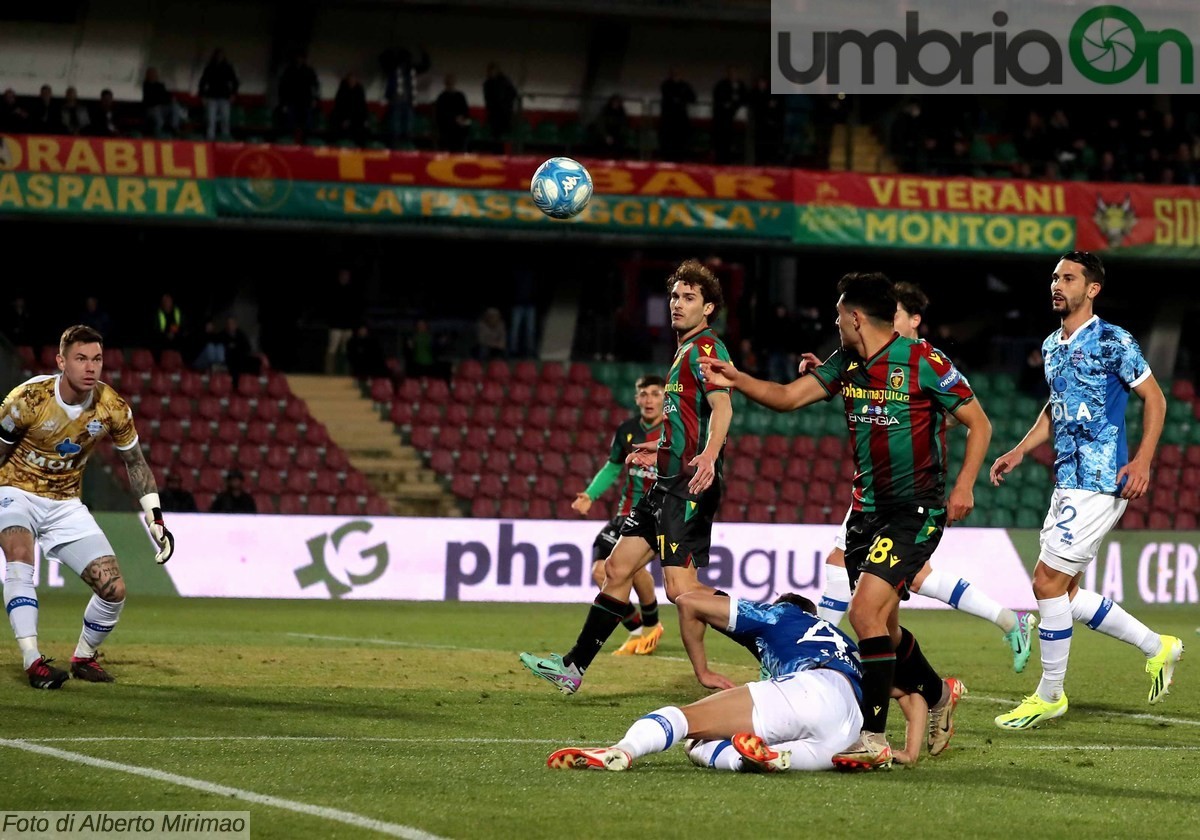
point(561, 187)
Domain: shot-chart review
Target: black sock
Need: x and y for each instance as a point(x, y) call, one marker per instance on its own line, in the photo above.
point(913, 671)
point(879, 666)
point(650, 614)
point(632, 620)
point(602, 619)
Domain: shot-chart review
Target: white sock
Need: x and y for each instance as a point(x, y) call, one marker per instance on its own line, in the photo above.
point(959, 594)
point(719, 755)
point(1055, 637)
point(835, 600)
point(99, 619)
point(655, 732)
point(20, 600)
point(1102, 614)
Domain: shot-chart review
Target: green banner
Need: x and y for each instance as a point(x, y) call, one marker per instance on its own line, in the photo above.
point(107, 195)
point(374, 203)
point(134, 552)
point(984, 232)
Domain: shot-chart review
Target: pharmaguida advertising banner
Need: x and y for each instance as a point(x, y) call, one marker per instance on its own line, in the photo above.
point(390, 558)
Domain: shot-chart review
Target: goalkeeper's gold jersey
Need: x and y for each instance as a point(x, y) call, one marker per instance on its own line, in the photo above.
point(53, 439)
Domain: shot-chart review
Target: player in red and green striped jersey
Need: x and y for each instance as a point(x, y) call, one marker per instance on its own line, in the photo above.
point(675, 518)
point(645, 631)
point(897, 392)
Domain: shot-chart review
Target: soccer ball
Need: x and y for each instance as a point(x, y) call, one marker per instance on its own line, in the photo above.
point(561, 187)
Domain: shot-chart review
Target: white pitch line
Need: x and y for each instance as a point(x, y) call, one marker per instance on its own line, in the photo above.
point(532, 741)
point(1007, 701)
point(392, 829)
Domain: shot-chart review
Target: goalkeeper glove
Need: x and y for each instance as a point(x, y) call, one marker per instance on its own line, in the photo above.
point(158, 532)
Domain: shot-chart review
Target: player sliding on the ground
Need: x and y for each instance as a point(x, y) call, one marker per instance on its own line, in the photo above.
point(1017, 627)
point(798, 719)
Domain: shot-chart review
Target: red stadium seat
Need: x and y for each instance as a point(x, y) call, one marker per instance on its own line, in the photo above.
point(435, 390)
point(171, 361)
point(250, 457)
point(220, 385)
point(511, 416)
point(265, 504)
point(464, 392)
point(506, 440)
point(483, 508)
point(525, 371)
point(792, 492)
point(1170, 455)
point(291, 504)
point(228, 431)
point(583, 462)
point(378, 506)
point(770, 470)
point(278, 458)
point(518, 487)
point(297, 481)
point(204, 502)
point(1158, 521)
point(457, 415)
point(315, 434)
point(825, 470)
point(161, 454)
point(520, 393)
point(114, 359)
point(208, 408)
point(318, 505)
point(491, 486)
point(492, 393)
point(269, 481)
point(328, 483)
point(267, 411)
point(553, 372)
point(221, 456)
point(1185, 520)
point(192, 456)
point(150, 408)
point(190, 385)
point(287, 434)
point(277, 386)
point(732, 512)
point(540, 417)
point(355, 482)
point(812, 514)
point(798, 469)
point(573, 395)
point(758, 512)
point(402, 414)
point(141, 360)
point(743, 468)
point(820, 493)
point(559, 439)
point(1133, 520)
point(306, 458)
point(178, 408)
point(546, 393)
point(211, 480)
point(199, 431)
point(463, 486)
point(739, 491)
point(512, 509)
point(553, 463)
point(525, 463)
point(238, 409)
point(497, 371)
point(599, 396)
point(540, 509)
point(1183, 390)
point(170, 431)
point(160, 383)
point(470, 370)
point(469, 462)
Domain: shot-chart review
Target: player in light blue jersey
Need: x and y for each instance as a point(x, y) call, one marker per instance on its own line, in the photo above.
point(1091, 366)
point(799, 718)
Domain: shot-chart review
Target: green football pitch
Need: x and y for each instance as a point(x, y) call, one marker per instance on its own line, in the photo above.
point(347, 719)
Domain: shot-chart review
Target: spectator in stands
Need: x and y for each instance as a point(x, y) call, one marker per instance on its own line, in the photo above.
point(491, 335)
point(420, 359)
point(75, 120)
point(98, 319)
point(218, 87)
point(343, 306)
point(174, 499)
point(522, 338)
point(364, 354)
point(211, 353)
point(104, 116)
point(674, 123)
point(349, 116)
point(239, 356)
point(18, 324)
point(13, 118)
point(299, 93)
point(499, 99)
point(234, 498)
point(168, 324)
point(45, 116)
point(729, 97)
point(452, 116)
point(612, 128)
point(766, 119)
point(160, 110)
point(401, 69)
point(777, 337)
point(746, 359)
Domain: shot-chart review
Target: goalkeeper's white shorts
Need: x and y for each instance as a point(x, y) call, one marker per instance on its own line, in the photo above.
point(55, 523)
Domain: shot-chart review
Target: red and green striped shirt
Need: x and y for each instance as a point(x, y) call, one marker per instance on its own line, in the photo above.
point(638, 480)
point(896, 406)
point(686, 412)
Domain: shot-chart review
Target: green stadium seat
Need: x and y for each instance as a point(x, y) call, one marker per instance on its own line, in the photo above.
point(981, 150)
point(1029, 518)
point(546, 133)
point(571, 133)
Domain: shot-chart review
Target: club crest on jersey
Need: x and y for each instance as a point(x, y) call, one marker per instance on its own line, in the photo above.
point(896, 378)
point(95, 428)
point(68, 448)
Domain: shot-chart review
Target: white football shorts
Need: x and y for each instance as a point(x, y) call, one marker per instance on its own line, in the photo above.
point(54, 523)
point(1075, 524)
point(812, 713)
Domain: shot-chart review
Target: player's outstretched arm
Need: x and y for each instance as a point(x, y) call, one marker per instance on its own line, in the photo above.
point(141, 481)
point(1136, 474)
point(1038, 434)
point(979, 435)
point(696, 611)
point(796, 394)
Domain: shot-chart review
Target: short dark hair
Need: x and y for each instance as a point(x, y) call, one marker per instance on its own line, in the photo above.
point(648, 380)
point(869, 291)
point(693, 273)
point(910, 296)
point(1093, 268)
point(78, 334)
point(797, 601)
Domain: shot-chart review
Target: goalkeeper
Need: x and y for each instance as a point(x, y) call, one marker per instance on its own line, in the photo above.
point(645, 629)
point(49, 426)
